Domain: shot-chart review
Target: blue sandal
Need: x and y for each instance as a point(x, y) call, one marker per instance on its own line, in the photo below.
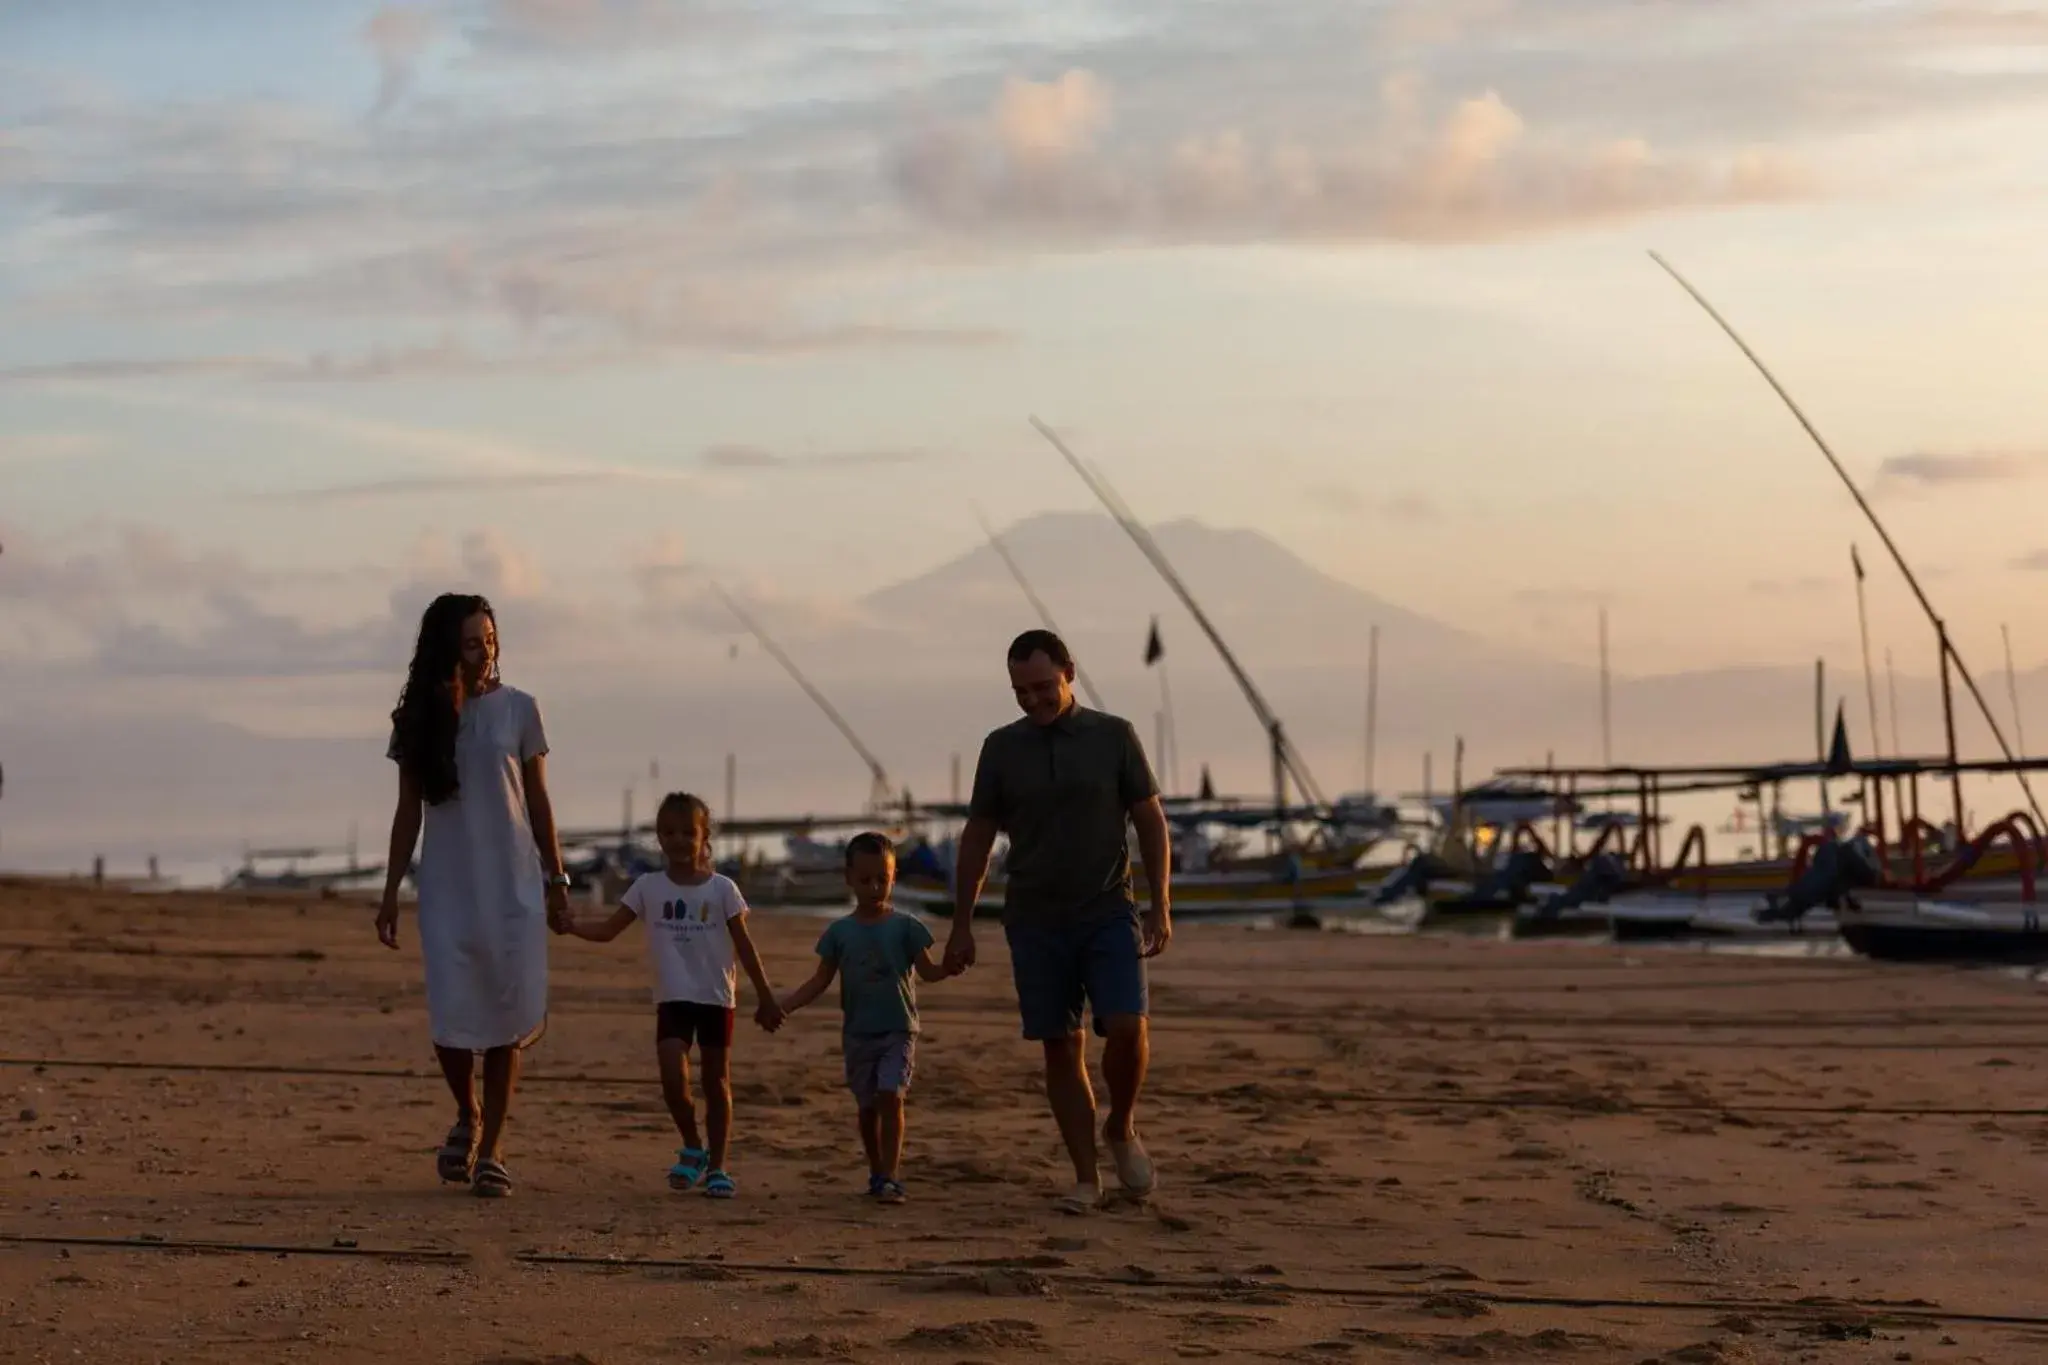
point(689, 1168)
point(891, 1192)
point(719, 1185)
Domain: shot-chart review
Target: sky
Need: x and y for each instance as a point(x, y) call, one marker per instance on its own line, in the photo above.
point(317, 309)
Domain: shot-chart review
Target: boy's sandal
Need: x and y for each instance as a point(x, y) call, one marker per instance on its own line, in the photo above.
point(891, 1192)
point(719, 1185)
point(492, 1180)
point(457, 1155)
point(689, 1168)
point(875, 1183)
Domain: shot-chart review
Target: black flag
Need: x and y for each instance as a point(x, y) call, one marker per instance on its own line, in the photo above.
point(1154, 651)
point(1208, 792)
point(1839, 760)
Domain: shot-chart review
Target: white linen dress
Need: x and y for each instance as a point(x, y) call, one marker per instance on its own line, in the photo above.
point(482, 895)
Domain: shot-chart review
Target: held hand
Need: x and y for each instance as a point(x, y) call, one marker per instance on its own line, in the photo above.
point(387, 922)
point(558, 908)
point(769, 1015)
point(960, 950)
point(1157, 928)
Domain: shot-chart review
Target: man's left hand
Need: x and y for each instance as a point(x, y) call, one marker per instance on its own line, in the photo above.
point(1157, 928)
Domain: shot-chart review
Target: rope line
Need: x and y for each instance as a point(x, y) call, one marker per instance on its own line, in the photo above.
point(1585, 1102)
point(1809, 1308)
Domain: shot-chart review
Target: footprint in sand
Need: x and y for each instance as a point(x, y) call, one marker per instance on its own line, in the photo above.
point(810, 1347)
point(992, 1334)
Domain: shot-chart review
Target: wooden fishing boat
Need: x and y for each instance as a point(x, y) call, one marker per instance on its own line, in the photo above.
point(1215, 881)
point(1963, 906)
point(1622, 883)
point(2001, 924)
point(1194, 895)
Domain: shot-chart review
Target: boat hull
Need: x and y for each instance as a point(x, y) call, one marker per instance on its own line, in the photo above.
point(1991, 925)
point(1197, 894)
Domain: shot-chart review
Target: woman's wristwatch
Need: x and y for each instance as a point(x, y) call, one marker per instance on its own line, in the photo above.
point(560, 879)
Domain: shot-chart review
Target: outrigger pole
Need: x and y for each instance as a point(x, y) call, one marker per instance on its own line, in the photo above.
point(995, 543)
point(1949, 654)
point(878, 795)
point(1287, 760)
point(2012, 690)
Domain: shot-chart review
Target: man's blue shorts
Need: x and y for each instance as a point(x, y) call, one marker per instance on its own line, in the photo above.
point(1058, 966)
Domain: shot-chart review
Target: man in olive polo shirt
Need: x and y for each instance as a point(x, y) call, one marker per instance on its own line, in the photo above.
point(1062, 782)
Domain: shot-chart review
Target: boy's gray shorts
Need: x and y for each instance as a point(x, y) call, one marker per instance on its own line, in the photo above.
point(878, 1062)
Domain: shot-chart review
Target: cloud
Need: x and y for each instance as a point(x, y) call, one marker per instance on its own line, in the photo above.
point(1994, 24)
point(159, 367)
point(553, 28)
point(142, 563)
point(1479, 172)
point(66, 601)
point(666, 191)
point(664, 571)
point(34, 447)
point(481, 456)
point(568, 235)
point(397, 34)
point(145, 604)
point(2035, 561)
point(746, 457)
point(1048, 122)
point(375, 490)
point(1921, 471)
point(241, 638)
point(676, 589)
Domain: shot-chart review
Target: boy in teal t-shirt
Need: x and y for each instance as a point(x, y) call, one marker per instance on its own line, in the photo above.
point(873, 952)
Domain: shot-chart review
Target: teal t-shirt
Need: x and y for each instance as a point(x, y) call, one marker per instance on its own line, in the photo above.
point(877, 992)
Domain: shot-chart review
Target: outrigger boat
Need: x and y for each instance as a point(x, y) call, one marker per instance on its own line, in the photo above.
point(1914, 891)
point(1895, 901)
point(1212, 872)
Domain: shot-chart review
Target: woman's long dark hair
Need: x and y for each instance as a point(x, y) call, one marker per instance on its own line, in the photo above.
point(430, 707)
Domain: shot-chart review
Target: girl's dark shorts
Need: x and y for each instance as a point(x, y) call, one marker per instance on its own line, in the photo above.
point(693, 1023)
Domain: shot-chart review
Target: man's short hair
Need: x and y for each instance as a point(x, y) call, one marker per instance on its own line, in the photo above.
point(1041, 642)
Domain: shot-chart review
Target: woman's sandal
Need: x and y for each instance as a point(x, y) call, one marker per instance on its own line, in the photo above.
point(689, 1168)
point(491, 1180)
point(456, 1159)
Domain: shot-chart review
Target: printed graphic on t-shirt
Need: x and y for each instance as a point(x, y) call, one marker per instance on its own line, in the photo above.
point(680, 908)
point(688, 943)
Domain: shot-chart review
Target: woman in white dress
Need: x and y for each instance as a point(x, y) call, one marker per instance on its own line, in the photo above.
point(471, 757)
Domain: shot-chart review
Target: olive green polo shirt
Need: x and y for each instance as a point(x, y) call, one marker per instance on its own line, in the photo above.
point(1063, 793)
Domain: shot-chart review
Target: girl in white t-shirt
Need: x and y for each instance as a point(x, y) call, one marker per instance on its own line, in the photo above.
point(696, 928)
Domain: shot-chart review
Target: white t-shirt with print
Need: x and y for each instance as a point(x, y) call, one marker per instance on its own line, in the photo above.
point(688, 943)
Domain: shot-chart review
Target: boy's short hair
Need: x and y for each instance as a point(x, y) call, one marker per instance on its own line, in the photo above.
point(1041, 642)
point(684, 803)
point(869, 842)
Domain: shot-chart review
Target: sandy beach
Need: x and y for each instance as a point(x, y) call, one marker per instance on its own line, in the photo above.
point(1371, 1148)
